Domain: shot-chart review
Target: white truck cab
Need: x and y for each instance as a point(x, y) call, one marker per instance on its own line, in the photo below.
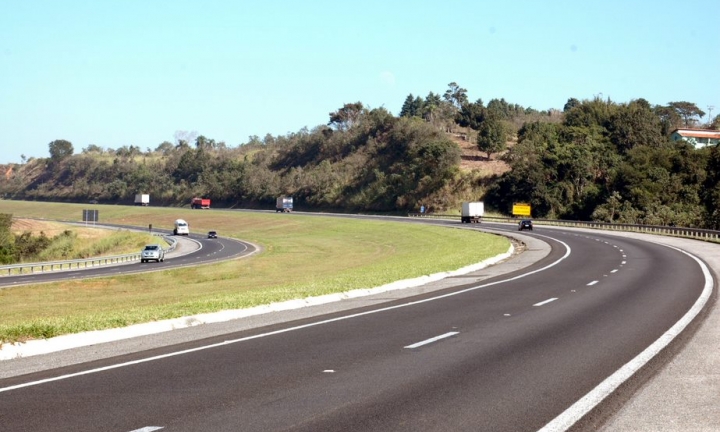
point(181, 227)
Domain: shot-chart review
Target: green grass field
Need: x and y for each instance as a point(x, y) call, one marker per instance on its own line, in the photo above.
point(302, 256)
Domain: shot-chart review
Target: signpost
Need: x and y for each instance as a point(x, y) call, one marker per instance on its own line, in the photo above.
point(521, 209)
point(91, 216)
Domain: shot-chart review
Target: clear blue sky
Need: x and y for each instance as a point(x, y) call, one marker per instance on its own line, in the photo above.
point(132, 72)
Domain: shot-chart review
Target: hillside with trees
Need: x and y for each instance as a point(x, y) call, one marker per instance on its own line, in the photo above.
point(593, 160)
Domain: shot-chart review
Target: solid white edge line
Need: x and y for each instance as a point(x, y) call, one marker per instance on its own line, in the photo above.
point(583, 406)
point(431, 340)
point(342, 318)
point(545, 302)
point(147, 429)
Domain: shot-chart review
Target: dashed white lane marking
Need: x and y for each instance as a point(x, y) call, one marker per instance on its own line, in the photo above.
point(592, 283)
point(624, 262)
point(147, 429)
point(545, 302)
point(568, 251)
point(614, 271)
point(431, 340)
point(580, 408)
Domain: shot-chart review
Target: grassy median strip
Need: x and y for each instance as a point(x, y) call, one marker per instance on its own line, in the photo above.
point(302, 256)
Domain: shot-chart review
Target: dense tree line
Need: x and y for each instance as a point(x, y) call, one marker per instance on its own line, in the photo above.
point(595, 159)
point(609, 162)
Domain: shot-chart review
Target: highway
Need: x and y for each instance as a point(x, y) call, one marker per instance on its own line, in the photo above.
point(204, 251)
point(509, 353)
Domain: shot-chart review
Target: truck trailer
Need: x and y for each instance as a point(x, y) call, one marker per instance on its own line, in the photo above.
point(200, 203)
point(284, 204)
point(472, 212)
point(142, 199)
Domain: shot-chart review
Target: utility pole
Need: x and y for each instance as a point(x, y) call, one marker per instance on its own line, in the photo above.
point(710, 108)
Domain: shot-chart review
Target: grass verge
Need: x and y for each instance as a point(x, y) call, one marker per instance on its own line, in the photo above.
point(302, 256)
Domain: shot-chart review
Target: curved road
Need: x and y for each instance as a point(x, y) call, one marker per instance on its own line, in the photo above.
point(509, 353)
point(210, 250)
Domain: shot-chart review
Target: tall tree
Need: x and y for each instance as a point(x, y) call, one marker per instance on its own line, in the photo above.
point(635, 124)
point(669, 119)
point(406, 110)
point(492, 135)
point(471, 115)
point(345, 117)
point(456, 95)
point(570, 104)
point(689, 112)
point(431, 107)
point(202, 142)
point(60, 149)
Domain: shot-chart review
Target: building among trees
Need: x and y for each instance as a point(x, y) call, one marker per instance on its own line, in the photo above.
point(697, 137)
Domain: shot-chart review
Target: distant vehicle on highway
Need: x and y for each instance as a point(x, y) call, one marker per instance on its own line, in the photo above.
point(472, 212)
point(525, 224)
point(181, 228)
point(142, 199)
point(284, 204)
point(200, 203)
point(152, 253)
point(212, 234)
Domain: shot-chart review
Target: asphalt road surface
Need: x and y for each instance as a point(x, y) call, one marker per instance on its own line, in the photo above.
point(508, 354)
point(206, 251)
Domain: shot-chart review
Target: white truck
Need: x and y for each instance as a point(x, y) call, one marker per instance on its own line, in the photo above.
point(284, 204)
point(181, 228)
point(472, 212)
point(142, 199)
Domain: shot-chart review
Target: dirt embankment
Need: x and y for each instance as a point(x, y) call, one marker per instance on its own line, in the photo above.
point(474, 159)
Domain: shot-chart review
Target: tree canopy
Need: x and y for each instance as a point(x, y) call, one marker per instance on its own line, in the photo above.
point(596, 159)
point(60, 149)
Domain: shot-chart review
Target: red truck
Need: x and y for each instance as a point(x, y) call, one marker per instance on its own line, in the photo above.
point(200, 203)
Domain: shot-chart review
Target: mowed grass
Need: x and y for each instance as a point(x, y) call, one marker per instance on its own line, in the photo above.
point(301, 256)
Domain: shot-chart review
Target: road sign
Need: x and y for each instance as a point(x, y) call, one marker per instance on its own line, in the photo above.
point(91, 215)
point(521, 209)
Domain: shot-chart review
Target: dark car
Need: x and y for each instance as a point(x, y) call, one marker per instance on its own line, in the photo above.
point(525, 224)
point(212, 234)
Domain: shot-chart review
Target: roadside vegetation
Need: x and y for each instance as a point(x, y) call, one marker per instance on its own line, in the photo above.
point(26, 240)
point(594, 159)
point(301, 256)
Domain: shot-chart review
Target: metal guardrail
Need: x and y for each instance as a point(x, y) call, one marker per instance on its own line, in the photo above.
point(693, 233)
point(78, 264)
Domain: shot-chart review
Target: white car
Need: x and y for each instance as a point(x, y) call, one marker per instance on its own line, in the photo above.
point(152, 253)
